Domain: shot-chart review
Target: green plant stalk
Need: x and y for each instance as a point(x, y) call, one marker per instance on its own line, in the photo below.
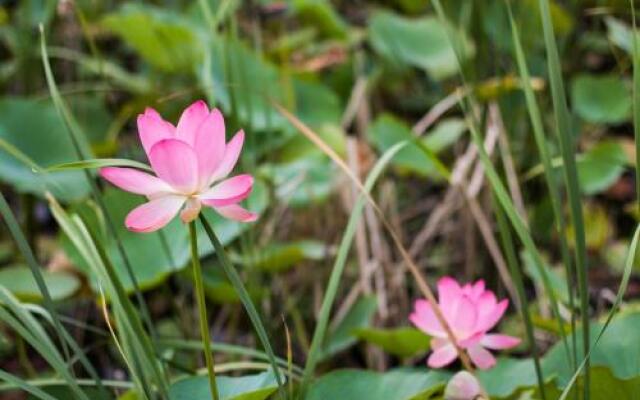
point(516, 274)
point(130, 314)
point(622, 289)
point(501, 193)
point(245, 298)
point(27, 253)
point(202, 310)
point(80, 147)
point(567, 146)
point(636, 99)
point(538, 131)
point(339, 265)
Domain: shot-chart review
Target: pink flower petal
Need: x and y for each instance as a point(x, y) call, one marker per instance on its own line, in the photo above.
point(176, 163)
point(155, 214)
point(209, 145)
point(424, 318)
point(481, 357)
point(229, 191)
point(442, 356)
point(152, 128)
point(237, 213)
point(134, 181)
point(488, 319)
point(230, 158)
point(190, 120)
point(477, 289)
point(464, 318)
point(499, 342)
point(448, 292)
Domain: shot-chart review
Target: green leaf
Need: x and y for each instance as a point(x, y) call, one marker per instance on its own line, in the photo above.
point(250, 387)
point(280, 257)
point(601, 98)
point(420, 42)
point(617, 350)
point(508, 376)
point(321, 15)
point(388, 130)
point(162, 38)
point(402, 342)
point(601, 166)
point(145, 251)
point(20, 281)
point(306, 181)
point(36, 131)
point(620, 34)
point(343, 336)
point(398, 384)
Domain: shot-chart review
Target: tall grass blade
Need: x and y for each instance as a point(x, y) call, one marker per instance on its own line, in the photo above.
point(81, 148)
point(245, 298)
point(18, 317)
point(64, 337)
point(24, 385)
point(567, 147)
point(552, 187)
point(636, 97)
point(133, 335)
point(502, 194)
point(98, 163)
point(397, 241)
point(518, 280)
point(339, 265)
point(628, 268)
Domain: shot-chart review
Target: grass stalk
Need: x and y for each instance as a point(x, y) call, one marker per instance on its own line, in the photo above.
point(550, 180)
point(567, 146)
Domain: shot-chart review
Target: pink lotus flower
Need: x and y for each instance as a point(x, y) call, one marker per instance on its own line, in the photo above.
point(191, 162)
point(470, 311)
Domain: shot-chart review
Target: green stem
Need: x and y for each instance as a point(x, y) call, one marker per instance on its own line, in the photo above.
point(202, 310)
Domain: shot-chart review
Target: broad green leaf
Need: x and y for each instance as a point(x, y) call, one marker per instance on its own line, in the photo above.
point(556, 280)
point(402, 342)
point(398, 384)
point(508, 376)
point(280, 257)
point(387, 130)
point(343, 335)
point(620, 34)
point(617, 350)
point(321, 15)
point(162, 38)
point(19, 280)
point(419, 42)
point(300, 183)
point(216, 285)
point(146, 252)
point(36, 131)
point(250, 387)
point(598, 227)
point(601, 98)
point(601, 166)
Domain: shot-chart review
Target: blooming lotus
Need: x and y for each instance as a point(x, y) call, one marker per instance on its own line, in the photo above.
point(191, 162)
point(470, 311)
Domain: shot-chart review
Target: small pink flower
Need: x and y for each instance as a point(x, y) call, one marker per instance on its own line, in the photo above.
point(471, 312)
point(191, 162)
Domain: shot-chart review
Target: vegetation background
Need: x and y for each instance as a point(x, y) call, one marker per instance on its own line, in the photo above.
point(410, 85)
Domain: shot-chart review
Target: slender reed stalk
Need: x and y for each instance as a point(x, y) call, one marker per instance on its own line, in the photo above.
point(202, 310)
point(567, 146)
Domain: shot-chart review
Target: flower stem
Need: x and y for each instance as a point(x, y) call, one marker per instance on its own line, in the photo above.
point(202, 310)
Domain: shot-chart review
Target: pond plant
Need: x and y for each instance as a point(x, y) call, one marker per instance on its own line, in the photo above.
point(421, 200)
